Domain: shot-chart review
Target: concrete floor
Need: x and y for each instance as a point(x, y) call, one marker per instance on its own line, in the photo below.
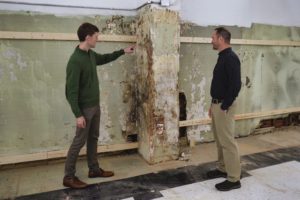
point(41, 177)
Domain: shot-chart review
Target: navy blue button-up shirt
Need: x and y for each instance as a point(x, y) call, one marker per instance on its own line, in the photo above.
point(226, 81)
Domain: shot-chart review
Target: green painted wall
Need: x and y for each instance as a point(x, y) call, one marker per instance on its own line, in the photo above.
point(34, 115)
point(270, 74)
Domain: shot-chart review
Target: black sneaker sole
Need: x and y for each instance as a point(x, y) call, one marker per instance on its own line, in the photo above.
point(228, 189)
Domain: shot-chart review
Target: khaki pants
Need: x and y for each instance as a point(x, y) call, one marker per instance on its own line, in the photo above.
point(88, 135)
point(228, 153)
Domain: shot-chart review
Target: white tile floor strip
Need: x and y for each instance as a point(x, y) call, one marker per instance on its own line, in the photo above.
point(275, 182)
point(284, 177)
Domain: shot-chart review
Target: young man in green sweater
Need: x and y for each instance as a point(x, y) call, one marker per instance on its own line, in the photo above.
point(82, 93)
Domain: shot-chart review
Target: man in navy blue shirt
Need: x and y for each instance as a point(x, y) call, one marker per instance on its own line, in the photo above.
point(225, 87)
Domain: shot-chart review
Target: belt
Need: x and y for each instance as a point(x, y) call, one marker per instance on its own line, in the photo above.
point(216, 101)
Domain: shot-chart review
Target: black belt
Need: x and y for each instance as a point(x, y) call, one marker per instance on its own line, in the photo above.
point(216, 101)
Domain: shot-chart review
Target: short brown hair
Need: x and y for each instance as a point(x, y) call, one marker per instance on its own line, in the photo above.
point(86, 29)
point(224, 33)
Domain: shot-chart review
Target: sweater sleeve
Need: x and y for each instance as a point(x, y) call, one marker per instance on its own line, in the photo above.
point(72, 87)
point(102, 59)
point(233, 72)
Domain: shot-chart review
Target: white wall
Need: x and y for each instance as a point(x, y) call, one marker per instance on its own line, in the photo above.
point(202, 12)
point(241, 12)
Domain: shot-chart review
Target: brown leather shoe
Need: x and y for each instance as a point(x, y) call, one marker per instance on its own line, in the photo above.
point(74, 182)
point(100, 173)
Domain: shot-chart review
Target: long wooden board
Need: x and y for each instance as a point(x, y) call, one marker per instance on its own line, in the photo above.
point(61, 36)
point(204, 40)
point(132, 38)
point(204, 121)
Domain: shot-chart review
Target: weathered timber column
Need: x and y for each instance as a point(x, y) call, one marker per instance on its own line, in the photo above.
point(157, 50)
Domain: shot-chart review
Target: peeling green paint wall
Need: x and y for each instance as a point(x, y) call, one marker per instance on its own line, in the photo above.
point(34, 115)
point(270, 74)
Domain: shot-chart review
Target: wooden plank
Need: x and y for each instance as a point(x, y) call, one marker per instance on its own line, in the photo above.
point(54, 154)
point(117, 147)
point(61, 36)
point(117, 38)
point(266, 42)
point(267, 113)
point(37, 36)
point(22, 158)
point(200, 40)
point(204, 121)
point(132, 38)
point(4, 160)
point(203, 40)
point(263, 130)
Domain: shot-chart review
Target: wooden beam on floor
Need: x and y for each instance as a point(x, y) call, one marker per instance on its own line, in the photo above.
point(205, 121)
point(62, 153)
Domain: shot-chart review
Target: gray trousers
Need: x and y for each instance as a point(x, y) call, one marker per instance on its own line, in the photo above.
point(88, 135)
point(228, 152)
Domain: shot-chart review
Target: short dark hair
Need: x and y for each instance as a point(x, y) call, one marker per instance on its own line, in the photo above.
point(224, 33)
point(86, 29)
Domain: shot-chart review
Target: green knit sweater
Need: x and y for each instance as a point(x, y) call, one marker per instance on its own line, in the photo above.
point(82, 85)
